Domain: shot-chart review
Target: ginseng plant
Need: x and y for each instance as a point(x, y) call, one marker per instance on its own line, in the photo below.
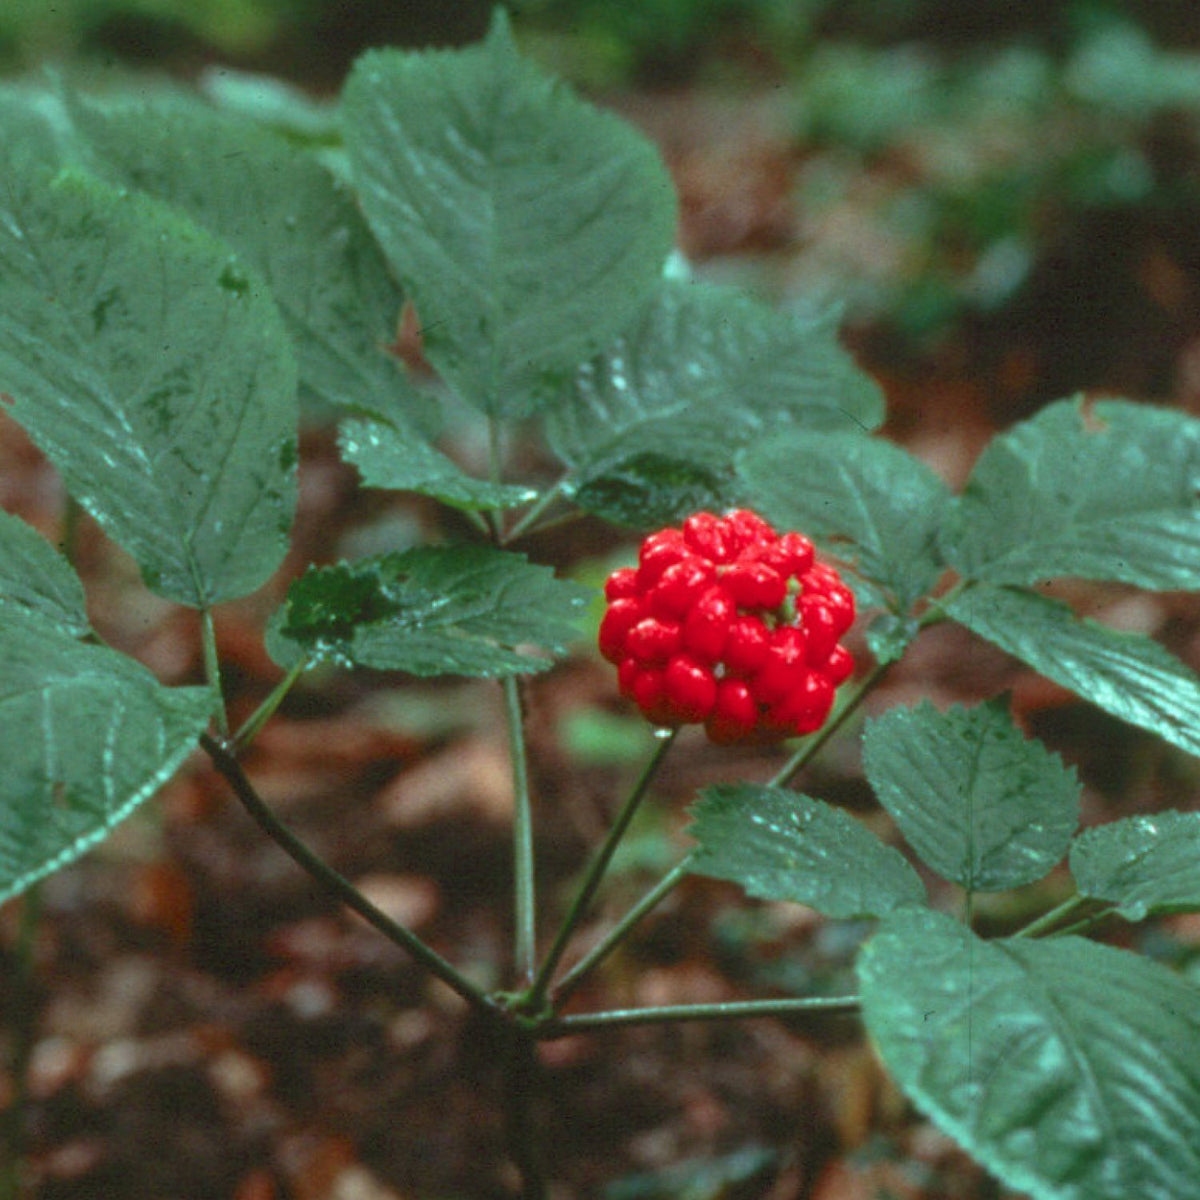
point(176, 277)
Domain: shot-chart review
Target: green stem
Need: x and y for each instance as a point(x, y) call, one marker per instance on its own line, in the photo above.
point(737, 1009)
point(935, 614)
point(533, 513)
point(1079, 926)
point(596, 869)
point(575, 976)
point(336, 884)
point(524, 885)
point(1049, 919)
point(212, 669)
point(24, 1021)
point(266, 710)
point(808, 751)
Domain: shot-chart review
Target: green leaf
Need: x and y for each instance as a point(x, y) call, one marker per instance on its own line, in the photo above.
point(875, 504)
point(647, 491)
point(890, 635)
point(86, 735)
point(1126, 674)
point(781, 845)
point(37, 130)
point(1107, 492)
point(528, 226)
point(271, 102)
point(1142, 865)
point(703, 371)
point(35, 576)
point(154, 372)
point(289, 219)
point(1067, 1069)
point(389, 455)
point(980, 803)
point(434, 610)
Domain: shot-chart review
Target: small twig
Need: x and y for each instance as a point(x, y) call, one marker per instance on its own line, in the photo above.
point(575, 976)
point(1038, 927)
point(266, 710)
point(337, 885)
point(533, 513)
point(729, 1010)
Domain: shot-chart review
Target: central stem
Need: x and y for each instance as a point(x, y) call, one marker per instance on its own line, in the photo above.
point(524, 887)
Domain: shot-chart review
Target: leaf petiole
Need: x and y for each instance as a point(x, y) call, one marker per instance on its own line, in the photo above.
point(596, 869)
point(212, 669)
point(727, 1010)
point(266, 710)
point(575, 976)
point(1039, 926)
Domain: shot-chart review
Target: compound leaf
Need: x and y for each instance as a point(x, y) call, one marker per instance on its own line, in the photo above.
point(872, 502)
point(434, 610)
point(35, 576)
point(1142, 865)
point(86, 735)
point(1067, 1068)
point(527, 226)
point(980, 803)
point(154, 372)
point(1126, 674)
point(1111, 491)
point(782, 845)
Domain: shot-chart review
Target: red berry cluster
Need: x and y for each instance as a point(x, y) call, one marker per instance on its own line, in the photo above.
point(727, 623)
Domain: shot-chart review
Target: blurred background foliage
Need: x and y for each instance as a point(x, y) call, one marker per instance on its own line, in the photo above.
point(1012, 183)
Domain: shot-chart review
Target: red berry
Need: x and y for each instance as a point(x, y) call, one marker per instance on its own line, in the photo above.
point(839, 667)
point(755, 585)
point(746, 645)
point(734, 714)
point(791, 555)
point(840, 600)
point(707, 624)
point(621, 617)
point(652, 641)
point(819, 578)
point(747, 530)
point(798, 552)
point(690, 688)
point(627, 673)
point(660, 551)
point(649, 694)
point(822, 626)
point(707, 535)
point(622, 584)
point(805, 708)
point(679, 587)
point(702, 631)
point(784, 668)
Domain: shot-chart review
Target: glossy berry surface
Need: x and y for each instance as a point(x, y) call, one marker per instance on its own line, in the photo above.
point(726, 623)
